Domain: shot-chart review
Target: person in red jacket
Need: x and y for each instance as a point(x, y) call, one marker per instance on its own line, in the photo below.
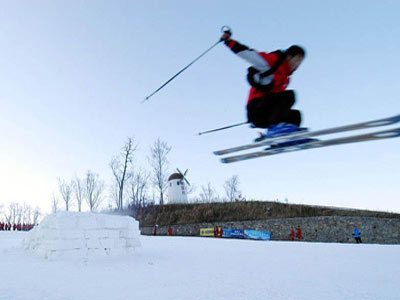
point(291, 235)
point(269, 104)
point(298, 233)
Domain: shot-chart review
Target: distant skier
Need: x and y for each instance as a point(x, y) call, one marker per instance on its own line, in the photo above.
point(269, 104)
point(357, 235)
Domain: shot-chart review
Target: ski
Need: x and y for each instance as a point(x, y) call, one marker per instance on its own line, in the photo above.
point(309, 134)
point(385, 134)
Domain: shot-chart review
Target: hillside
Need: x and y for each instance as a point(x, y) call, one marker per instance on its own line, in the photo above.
point(242, 211)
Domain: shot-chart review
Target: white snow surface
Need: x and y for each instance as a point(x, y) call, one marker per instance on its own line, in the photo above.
point(188, 268)
point(77, 235)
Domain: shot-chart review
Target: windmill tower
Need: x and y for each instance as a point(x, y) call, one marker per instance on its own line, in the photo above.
point(177, 187)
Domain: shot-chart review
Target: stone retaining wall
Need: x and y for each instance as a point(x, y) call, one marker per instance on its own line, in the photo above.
point(315, 229)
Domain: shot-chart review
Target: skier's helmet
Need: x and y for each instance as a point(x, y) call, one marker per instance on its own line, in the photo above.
point(295, 50)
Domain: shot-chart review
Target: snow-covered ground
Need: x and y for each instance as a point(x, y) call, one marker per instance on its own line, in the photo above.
point(205, 268)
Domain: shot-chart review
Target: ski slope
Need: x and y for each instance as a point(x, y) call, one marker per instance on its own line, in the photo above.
point(184, 268)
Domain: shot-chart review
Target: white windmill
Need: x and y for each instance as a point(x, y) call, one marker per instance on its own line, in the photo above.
point(177, 187)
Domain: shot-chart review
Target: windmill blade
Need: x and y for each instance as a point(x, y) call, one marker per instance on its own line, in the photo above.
point(183, 175)
point(186, 180)
point(179, 171)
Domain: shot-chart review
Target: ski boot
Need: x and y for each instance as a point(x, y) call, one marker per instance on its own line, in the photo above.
point(280, 129)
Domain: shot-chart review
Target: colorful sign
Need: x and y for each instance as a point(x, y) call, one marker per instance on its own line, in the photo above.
point(233, 233)
point(257, 235)
point(207, 231)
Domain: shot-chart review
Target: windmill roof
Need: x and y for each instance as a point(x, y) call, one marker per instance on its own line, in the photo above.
point(175, 176)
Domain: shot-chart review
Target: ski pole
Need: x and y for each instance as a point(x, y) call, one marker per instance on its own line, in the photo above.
point(222, 128)
point(223, 29)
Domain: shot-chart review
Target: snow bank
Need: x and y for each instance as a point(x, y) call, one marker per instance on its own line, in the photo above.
point(83, 235)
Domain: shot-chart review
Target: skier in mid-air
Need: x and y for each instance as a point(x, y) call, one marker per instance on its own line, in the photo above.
point(269, 104)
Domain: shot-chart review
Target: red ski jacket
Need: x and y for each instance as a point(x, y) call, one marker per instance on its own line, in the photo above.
point(263, 61)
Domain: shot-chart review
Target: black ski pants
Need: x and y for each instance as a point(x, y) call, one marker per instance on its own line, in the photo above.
point(272, 109)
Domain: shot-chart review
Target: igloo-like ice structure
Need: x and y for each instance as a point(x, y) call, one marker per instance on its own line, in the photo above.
point(83, 235)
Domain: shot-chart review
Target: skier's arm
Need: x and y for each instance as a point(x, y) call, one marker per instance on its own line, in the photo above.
point(249, 55)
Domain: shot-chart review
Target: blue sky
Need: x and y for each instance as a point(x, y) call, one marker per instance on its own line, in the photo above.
point(73, 75)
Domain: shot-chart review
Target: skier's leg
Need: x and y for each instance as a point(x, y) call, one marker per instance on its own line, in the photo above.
point(253, 113)
point(279, 115)
point(278, 107)
point(272, 109)
point(261, 112)
point(285, 100)
point(294, 117)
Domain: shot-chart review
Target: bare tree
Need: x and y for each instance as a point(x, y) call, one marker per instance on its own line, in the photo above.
point(208, 194)
point(93, 190)
point(78, 188)
point(190, 190)
point(120, 167)
point(36, 215)
point(13, 213)
point(2, 213)
point(159, 163)
point(19, 214)
point(54, 204)
point(66, 192)
point(26, 214)
point(6, 216)
point(114, 191)
point(231, 187)
point(138, 189)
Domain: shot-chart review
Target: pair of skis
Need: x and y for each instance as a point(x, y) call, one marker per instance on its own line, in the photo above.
point(378, 135)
